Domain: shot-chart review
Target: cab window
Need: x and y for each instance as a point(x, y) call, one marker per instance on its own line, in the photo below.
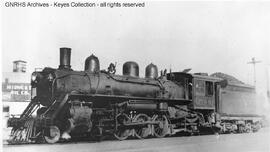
point(209, 88)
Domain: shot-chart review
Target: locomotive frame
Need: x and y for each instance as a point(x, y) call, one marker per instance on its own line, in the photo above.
point(96, 103)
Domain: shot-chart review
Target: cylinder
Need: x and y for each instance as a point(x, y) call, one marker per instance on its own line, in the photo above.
point(131, 69)
point(91, 64)
point(65, 58)
point(151, 71)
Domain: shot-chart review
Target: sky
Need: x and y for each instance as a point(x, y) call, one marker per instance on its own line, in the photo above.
point(205, 36)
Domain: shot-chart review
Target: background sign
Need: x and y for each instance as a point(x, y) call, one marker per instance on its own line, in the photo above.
point(16, 92)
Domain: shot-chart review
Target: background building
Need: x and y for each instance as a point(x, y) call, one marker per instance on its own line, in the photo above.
point(16, 90)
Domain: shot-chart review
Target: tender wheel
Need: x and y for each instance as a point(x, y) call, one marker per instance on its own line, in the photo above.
point(160, 129)
point(52, 135)
point(122, 133)
point(248, 128)
point(142, 131)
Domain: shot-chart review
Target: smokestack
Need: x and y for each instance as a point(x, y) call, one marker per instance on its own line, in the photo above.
point(65, 58)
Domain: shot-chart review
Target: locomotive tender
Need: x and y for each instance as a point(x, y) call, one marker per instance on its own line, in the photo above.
point(67, 104)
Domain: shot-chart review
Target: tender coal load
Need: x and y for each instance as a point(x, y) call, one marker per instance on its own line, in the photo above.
point(201, 73)
point(65, 58)
point(151, 71)
point(131, 69)
point(92, 64)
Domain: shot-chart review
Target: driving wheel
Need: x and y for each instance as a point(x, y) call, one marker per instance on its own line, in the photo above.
point(142, 130)
point(122, 132)
point(52, 134)
point(162, 126)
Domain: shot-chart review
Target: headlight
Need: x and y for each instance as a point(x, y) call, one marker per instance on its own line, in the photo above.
point(33, 77)
point(50, 77)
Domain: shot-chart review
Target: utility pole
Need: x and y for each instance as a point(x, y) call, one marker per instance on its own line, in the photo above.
point(267, 80)
point(254, 62)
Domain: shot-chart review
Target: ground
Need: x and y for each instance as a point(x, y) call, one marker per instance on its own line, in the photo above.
point(249, 142)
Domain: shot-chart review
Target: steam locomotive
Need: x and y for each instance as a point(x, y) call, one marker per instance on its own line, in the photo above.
point(67, 104)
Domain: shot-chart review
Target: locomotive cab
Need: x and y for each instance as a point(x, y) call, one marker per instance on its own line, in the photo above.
point(204, 91)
